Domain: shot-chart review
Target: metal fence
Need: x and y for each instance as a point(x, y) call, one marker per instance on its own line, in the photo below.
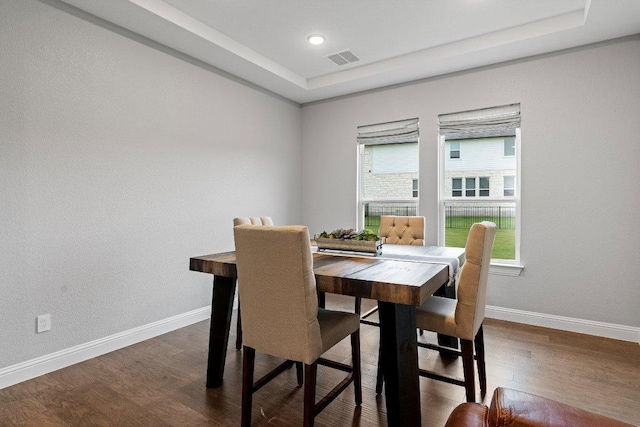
point(465, 216)
point(456, 217)
point(372, 213)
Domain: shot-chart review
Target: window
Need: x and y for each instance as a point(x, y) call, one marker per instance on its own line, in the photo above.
point(456, 185)
point(509, 147)
point(470, 188)
point(484, 184)
point(388, 171)
point(454, 150)
point(509, 186)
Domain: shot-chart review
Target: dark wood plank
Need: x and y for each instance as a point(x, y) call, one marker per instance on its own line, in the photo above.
point(222, 264)
point(400, 363)
point(596, 374)
point(224, 289)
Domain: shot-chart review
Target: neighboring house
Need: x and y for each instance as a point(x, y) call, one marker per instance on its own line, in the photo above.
point(477, 168)
point(390, 171)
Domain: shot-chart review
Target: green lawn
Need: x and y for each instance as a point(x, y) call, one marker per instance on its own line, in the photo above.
point(503, 246)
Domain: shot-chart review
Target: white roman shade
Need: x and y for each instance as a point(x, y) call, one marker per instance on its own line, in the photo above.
point(484, 123)
point(389, 133)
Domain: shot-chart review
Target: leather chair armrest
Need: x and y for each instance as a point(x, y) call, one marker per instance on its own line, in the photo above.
point(519, 409)
point(469, 415)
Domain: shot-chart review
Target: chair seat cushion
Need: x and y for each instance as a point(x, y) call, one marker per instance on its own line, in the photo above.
point(335, 326)
point(437, 314)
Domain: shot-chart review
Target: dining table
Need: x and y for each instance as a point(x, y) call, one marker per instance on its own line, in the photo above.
point(400, 279)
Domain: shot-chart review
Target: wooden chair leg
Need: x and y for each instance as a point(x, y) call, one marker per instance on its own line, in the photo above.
point(310, 375)
point(239, 329)
point(482, 370)
point(299, 374)
point(467, 366)
point(355, 356)
point(380, 375)
point(358, 306)
point(248, 364)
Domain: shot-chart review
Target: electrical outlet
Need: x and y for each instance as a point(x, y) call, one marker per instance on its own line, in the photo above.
point(43, 323)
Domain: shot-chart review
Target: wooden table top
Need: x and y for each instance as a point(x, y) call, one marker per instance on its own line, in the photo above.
point(382, 278)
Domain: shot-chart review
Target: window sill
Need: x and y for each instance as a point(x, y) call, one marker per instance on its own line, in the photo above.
point(512, 270)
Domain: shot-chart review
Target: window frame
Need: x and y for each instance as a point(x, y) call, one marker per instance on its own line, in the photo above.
point(498, 266)
point(470, 190)
point(457, 150)
point(481, 188)
point(477, 188)
point(511, 188)
point(504, 148)
point(362, 201)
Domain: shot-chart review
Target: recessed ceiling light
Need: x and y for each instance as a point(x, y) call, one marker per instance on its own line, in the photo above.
point(316, 39)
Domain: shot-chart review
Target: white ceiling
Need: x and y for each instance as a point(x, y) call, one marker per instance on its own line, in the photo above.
point(264, 41)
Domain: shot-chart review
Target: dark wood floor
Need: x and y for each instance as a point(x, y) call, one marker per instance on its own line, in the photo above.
point(160, 382)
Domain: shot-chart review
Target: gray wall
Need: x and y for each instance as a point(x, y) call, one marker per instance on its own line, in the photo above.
point(580, 154)
point(119, 160)
point(117, 163)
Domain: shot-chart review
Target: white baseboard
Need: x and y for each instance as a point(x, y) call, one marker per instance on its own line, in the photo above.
point(589, 327)
point(51, 362)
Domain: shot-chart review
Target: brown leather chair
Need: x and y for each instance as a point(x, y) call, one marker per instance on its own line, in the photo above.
point(255, 220)
point(281, 316)
point(515, 408)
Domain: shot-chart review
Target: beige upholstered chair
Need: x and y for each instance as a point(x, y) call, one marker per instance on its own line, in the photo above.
point(463, 317)
point(255, 220)
point(402, 230)
point(281, 315)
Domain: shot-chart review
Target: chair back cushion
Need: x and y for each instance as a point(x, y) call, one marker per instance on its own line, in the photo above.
point(472, 287)
point(402, 230)
point(255, 220)
point(277, 290)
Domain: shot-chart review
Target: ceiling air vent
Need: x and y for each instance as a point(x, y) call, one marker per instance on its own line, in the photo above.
point(342, 58)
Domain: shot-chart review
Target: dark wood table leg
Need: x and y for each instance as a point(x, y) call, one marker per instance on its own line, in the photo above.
point(322, 299)
point(224, 289)
point(400, 363)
